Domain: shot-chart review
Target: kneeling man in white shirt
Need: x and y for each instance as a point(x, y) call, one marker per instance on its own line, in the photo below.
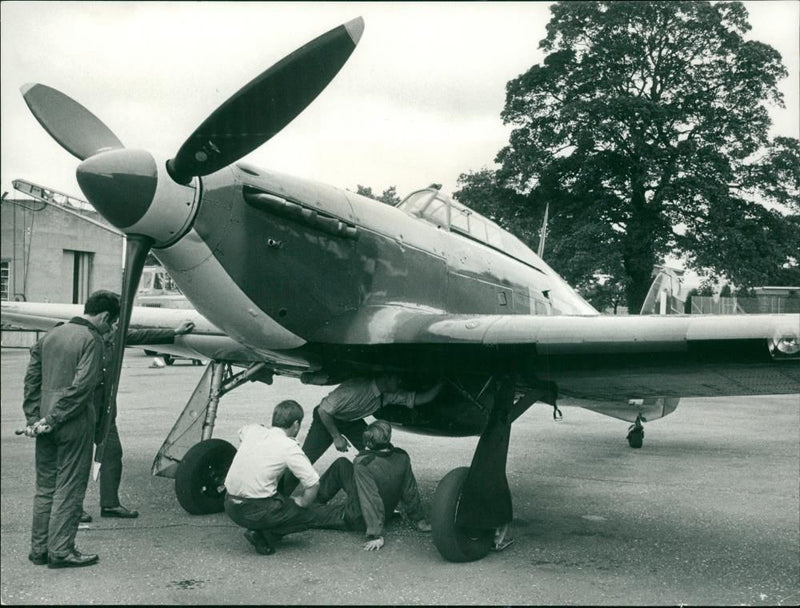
point(252, 500)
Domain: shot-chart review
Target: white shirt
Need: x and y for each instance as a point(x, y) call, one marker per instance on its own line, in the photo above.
point(263, 456)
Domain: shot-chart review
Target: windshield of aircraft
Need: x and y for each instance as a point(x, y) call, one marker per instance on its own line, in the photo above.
point(430, 205)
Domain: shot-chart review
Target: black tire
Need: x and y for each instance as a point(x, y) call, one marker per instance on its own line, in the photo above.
point(635, 438)
point(168, 359)
point(201, 474)
point(150, 353)
point(456, 544)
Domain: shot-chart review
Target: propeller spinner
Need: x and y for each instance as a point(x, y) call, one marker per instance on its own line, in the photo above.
point(127, 187)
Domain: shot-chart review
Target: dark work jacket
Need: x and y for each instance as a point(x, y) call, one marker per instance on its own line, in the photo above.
point(64, 372)
point(384, 479)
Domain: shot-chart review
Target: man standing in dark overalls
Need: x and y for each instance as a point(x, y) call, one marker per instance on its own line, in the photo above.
point(61, 384)
point(111, 471)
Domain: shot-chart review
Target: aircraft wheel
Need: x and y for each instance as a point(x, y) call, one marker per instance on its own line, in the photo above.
point(636, 437)
point(456, 544)
point(168, 359)
point(200, 478)
point(150, 353)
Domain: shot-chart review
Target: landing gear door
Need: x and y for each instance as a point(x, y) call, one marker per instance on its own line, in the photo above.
point(188, 429)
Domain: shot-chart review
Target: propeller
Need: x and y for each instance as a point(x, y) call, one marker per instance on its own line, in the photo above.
point(78, 131)
point(136, 249)
point(124, 185)
point(266, 104)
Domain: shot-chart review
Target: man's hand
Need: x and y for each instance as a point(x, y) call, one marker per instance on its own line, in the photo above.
point(37, 428)
point(41, 427)
point(307, 497)
point(184, 328)
point(341, 443)
point(374, 544)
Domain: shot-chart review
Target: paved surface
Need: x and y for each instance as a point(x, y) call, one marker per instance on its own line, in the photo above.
point(706, 513)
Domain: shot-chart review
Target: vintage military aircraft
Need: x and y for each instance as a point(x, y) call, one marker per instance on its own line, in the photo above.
point(302, 279)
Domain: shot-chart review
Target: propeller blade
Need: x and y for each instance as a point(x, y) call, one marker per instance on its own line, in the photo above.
point(265, 105)
point(136, 250)
point(74, 127)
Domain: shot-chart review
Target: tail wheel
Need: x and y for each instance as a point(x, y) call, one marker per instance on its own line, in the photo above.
point(635, 436)
point(200, 478)
point(168, 359)
point(456, 544)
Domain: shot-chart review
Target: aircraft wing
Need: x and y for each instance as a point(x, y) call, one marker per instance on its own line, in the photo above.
point(43, 316)
point(556, 334)
point(597, 357)
point(607, 334)
point(602, 357)
point(206, 341)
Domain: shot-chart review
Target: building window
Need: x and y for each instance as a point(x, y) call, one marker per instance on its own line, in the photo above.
point(81, 262)
point(4, 280)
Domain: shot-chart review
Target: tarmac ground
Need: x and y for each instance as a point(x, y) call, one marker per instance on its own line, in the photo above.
point(707, 512)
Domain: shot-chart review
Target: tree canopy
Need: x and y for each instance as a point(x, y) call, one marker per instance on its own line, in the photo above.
point(646, 129)
point(389, 196)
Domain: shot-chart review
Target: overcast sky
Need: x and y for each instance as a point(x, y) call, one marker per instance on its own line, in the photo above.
point(419, 100)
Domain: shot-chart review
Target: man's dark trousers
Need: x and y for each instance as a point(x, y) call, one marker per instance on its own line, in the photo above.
point(341, 515)
point(63, 465)
point(111, 470)
point(319, 440)
point(277, 514)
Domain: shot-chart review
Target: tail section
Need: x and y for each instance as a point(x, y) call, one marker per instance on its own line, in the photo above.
point(663, 298)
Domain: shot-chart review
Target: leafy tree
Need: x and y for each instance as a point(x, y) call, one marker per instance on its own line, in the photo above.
point(645, 127)
point(603, 292)
point(389, 195)
point(706, 289)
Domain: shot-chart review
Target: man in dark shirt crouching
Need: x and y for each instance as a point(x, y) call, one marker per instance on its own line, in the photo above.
point(376, 482)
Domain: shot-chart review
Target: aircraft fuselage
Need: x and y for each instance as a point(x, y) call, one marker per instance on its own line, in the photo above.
point(330, 266)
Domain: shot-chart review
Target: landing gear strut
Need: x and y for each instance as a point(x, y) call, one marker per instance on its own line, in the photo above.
point(200, 468)
point(470, 504)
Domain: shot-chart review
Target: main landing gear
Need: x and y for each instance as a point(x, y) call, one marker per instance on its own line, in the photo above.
point(199, 468)
point(471, 507)
point(200, 479)
point(472, 504)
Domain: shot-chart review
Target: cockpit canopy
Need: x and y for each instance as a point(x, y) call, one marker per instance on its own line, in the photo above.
point(440, 210)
